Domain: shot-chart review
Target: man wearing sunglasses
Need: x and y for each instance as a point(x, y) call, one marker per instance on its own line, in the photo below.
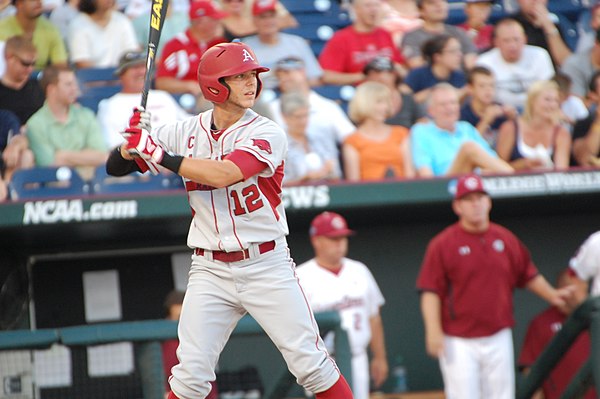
point(20, 93)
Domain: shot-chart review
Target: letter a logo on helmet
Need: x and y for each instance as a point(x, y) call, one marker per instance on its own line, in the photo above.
point(247, 56)
point(222, 60)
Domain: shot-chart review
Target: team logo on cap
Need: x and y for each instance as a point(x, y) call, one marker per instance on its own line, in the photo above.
point(338, 223)
point(247, 56)
point(263, 145)
point(471, 183)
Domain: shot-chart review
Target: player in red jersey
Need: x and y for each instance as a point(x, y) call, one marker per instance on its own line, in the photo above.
point(466, 283)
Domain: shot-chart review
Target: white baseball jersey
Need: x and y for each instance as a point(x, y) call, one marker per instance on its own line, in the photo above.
point(353, 292)
point(586, 262)
point(251, 211)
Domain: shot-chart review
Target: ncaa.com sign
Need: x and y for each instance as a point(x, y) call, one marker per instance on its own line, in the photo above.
point(64, 211)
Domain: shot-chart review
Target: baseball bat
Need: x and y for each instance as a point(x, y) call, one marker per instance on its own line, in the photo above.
point(158, 13)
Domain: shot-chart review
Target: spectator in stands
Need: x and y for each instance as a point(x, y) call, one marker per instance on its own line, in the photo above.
point(515, 64)
point(62, 16)
point(481, 108)
point(587, 36)
point(178, 66)
point(541, 331)
point(405, 111)
point(476, 24)
point(175, 23)
point(376, 150)
point(62, 133)
point(348, 51)
point(537, 139)
point(114, 112)
point(307, 158)
point(327, 122)
point(14, 148)
point(542, 29)
point(466, 282)
point(99, 34)
point(19, 92)
point(581, 66)
point(172, 306)
point(586, 133)
point(30, 22)
point(400, 17)
point(572, 107)
point(271, 45)
point(447, 146)
point(435, 13)
point(443, 57)
point(239, 22)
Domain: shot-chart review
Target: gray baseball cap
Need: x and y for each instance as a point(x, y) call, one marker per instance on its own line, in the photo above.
point(129, 59)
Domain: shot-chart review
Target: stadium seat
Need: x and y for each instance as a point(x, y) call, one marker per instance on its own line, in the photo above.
point(92, 77)
point(102, 183)
point(93, 95)
point(568, 8)
point(46, 182)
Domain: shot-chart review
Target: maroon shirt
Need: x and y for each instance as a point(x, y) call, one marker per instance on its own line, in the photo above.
point(541, 330)
point(475, 275)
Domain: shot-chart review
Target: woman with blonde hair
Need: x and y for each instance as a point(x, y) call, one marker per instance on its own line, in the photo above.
point(537, 139)
point(376, 150)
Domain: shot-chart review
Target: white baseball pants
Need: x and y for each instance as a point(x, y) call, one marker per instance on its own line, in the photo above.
point(266, 287)
point(479, 368)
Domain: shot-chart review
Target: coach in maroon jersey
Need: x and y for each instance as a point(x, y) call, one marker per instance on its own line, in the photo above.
point(466, 283)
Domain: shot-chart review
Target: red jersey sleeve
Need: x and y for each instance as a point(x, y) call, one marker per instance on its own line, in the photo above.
point(168, 58)
point(248, 163)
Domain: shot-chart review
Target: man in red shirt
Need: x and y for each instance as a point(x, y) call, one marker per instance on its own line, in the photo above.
point(466, 283)
point(178, 66)
point(350, 49)
point(540, 332)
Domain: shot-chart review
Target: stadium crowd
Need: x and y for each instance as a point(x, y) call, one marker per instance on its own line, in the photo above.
point(430, 94)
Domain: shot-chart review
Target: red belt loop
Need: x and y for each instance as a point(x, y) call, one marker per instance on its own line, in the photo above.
point(237, 255)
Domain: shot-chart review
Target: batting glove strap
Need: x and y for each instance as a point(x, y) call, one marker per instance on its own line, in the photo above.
point(140, 143)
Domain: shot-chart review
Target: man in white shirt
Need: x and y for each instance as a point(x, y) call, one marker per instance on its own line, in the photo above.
point(114, 112)
point(327, 122)
point(515, 64)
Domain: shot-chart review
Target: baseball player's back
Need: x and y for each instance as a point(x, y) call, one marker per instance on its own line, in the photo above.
point(231, 161)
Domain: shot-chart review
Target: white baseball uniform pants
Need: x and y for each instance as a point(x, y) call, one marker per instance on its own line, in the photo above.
point(479, 368)
point(265, 286)
point(360, 375)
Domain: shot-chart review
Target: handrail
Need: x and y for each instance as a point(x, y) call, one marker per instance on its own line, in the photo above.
point(147, 335)
point(587, 315)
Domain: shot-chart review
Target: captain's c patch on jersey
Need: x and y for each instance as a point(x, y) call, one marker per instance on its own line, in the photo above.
point(262, 145)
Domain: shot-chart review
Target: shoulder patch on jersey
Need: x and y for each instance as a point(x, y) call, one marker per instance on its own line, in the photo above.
point(262, 145)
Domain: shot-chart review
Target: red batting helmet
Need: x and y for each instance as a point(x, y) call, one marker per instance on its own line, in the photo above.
point(225, 59)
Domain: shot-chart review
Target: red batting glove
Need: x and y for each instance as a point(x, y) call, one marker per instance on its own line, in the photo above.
point(141, 144)
point(140, 118)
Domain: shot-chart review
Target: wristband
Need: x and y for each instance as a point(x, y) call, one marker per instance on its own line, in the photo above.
point(172, 162)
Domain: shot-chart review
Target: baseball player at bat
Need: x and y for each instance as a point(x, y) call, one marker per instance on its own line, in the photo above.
point(467, 279)
point(231, 160)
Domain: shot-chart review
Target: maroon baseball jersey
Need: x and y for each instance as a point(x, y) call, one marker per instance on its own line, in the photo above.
point(475, 275)
point(541, 330)
point(349, 51)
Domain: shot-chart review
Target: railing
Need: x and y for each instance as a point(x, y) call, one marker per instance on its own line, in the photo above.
point(587, 315)
point(147, 336)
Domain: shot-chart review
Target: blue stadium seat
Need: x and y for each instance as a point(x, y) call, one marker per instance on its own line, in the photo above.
point(46, 182)
point(92, 96)
point(91, 77)
point(569, 30)
point(102, 183)
point(568, 8)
